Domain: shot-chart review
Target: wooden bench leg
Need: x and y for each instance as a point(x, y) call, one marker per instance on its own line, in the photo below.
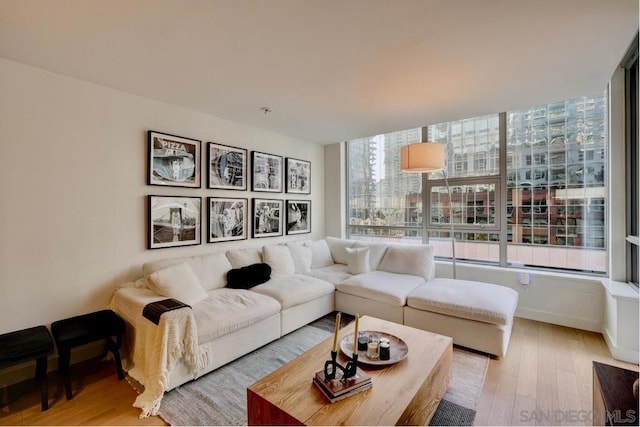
point(41, 376)
point(64, 359)
point(113, 347)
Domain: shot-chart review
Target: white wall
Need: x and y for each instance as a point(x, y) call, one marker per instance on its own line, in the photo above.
point(563, 299)
point(73, 189)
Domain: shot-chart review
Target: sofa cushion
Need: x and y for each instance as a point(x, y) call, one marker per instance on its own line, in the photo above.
point(376, 253)
point(177, 282)
point(357, 260)
point(484, 302)
point(320, 254)
point(227, 310)
point(335, 273)
point(338, 248)
point(243, 257)
point(279, 259)
point(249, 276)
point(381, 286)
point(414, 260)
point(210, 269)
point(293, 290)
point(301, 254)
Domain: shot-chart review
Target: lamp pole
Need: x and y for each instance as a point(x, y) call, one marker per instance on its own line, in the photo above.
point(453, 238)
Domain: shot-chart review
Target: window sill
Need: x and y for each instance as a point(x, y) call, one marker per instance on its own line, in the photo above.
point(620, 290)
point(594, 277)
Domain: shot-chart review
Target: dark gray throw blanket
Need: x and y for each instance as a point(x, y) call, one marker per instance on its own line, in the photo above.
point(154, 310)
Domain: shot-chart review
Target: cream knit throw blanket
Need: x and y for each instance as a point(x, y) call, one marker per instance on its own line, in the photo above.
point(156, 351)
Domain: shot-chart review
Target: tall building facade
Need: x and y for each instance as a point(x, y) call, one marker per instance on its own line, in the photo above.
point(556, 173)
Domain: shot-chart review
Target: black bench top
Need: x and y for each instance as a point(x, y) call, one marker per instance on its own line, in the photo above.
point(85, 328)
point(23, 345)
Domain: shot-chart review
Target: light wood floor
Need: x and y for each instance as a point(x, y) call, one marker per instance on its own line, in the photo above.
point(547, 373)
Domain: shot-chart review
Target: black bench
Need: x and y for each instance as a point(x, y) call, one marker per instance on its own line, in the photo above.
point(29, 344)
point(79, 330)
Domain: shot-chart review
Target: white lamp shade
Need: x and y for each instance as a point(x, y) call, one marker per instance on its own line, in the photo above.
point(423, 157)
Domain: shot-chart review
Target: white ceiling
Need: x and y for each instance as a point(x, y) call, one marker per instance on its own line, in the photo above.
point(330, 70)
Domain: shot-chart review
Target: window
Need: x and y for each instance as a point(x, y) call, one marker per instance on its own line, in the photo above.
point(383, 202)
point(558, 197)
point(553, 178)
point(630, 63)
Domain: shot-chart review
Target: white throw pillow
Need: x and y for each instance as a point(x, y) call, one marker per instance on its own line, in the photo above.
point(302, 255)
point(279, 259)
point(244, 257)
point(337, 248)
point(177, 282)
point(376, 253)
point(405, 259)
point(358, 260)
point(320, 254)
point(211, 270)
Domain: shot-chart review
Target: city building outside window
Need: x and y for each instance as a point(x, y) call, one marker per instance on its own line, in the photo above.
point(554, 174)
point(383, 202)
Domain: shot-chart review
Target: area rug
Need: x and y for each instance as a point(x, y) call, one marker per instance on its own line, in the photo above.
point(220, 397)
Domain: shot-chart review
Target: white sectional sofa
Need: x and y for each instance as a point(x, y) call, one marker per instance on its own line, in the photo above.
point(308, 280)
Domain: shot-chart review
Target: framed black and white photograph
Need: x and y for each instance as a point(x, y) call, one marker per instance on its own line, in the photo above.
point(173, 160)
point(227, 167)
point(266, 172)
point(298, 216)
point(174, 221)
point(298, 176)
point(227, 219)
point(267, 217)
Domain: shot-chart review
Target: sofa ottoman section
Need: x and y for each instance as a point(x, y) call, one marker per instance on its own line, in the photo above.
point(475, 314)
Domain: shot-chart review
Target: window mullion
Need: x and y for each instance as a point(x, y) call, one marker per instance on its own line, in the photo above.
point(502, 200)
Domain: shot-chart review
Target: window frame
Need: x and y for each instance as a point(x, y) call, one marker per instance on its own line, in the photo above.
point(632, 155)
point(456, 182)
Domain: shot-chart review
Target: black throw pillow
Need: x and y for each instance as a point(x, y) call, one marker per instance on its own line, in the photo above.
point(249, 276)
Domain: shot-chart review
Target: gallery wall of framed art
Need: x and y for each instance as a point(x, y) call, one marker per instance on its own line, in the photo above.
point(176, 220)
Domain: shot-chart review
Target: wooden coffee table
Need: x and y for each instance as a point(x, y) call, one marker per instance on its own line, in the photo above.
point(407, 392)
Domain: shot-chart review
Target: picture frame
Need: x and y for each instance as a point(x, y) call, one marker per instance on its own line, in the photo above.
point(227, 219)
point(266, 172)
point(173, 161)
point(298, 217)
point(298, 173)
point(173, 221)
point(227, 167)
point(267, 217)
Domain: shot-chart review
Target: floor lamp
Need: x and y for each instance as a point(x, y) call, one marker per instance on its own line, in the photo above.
point(426, 157)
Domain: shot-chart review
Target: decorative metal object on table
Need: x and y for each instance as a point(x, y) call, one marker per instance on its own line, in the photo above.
point(336, 381)
point(332, 366)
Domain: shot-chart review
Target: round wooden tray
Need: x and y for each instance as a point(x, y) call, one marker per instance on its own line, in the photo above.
point(399, 348)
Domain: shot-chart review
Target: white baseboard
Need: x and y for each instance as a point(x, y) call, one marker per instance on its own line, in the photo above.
point(620, 353)
point(557, 319)
point(27, 370)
